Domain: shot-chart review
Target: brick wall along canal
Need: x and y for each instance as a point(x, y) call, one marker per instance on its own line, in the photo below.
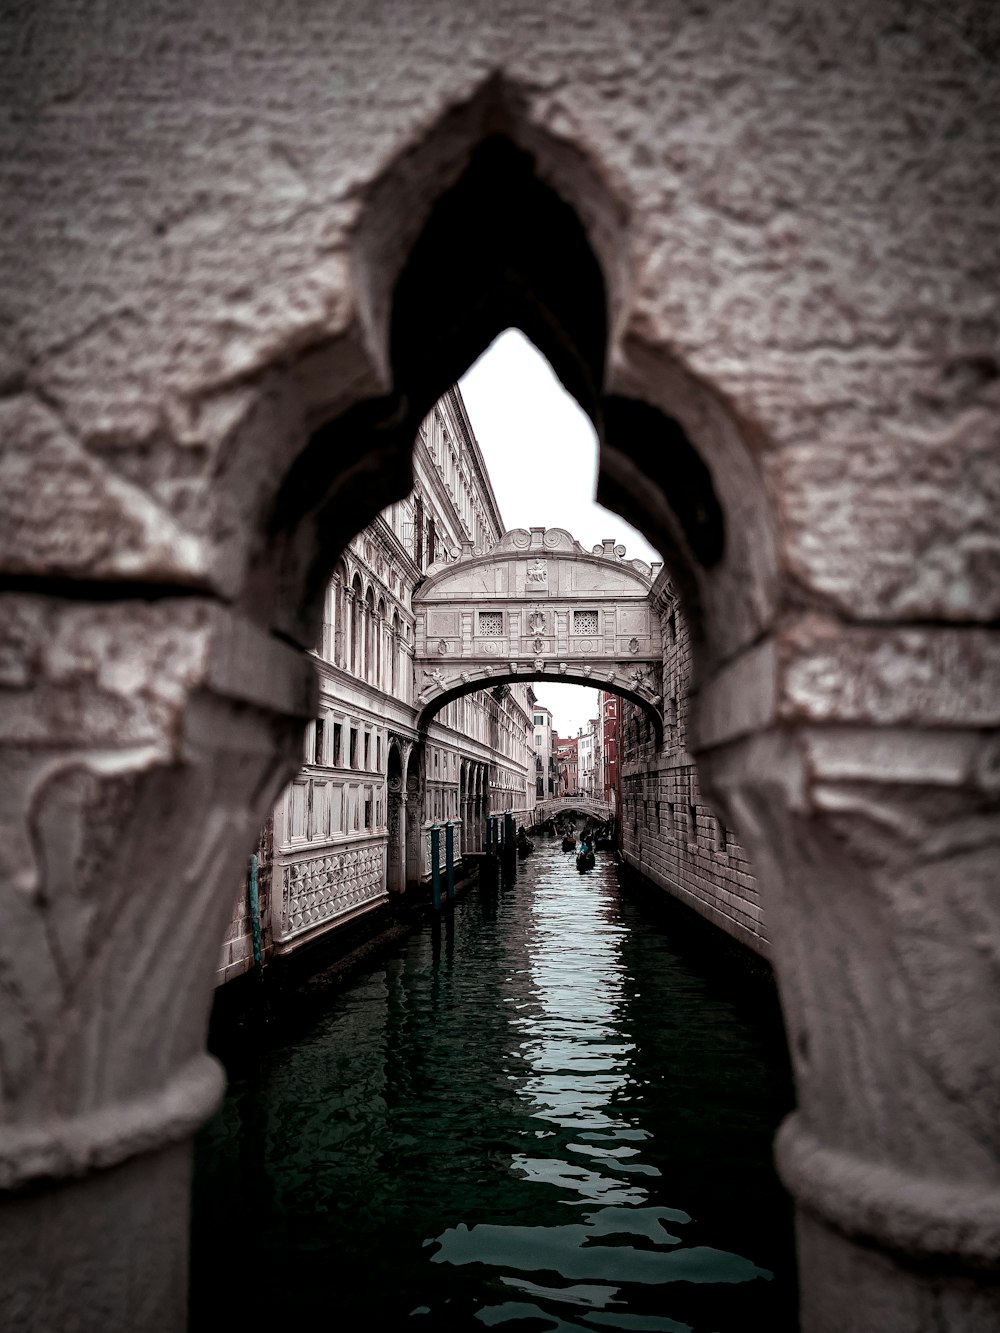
point(539, 1115)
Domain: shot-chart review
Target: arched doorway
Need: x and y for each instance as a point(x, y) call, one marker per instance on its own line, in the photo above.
point(397, 801)
point(463, 806)
point(415, 816)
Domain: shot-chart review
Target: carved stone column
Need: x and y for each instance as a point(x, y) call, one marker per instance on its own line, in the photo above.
point(143, 743)
point(876, 843)
point(401, 854)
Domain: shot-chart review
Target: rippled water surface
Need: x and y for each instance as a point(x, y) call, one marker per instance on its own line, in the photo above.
point(534, 1115)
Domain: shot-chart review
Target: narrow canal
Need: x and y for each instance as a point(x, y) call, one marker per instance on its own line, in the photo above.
point(536, 1114)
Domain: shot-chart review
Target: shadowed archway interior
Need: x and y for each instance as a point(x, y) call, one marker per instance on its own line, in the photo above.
point(500, 249)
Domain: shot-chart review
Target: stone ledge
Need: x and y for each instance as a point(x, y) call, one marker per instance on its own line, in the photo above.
point(123, 672)
point(821, 671)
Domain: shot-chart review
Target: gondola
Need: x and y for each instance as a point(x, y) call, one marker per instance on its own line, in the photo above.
point(584, 861)
point(525, 847)
point(568, 843)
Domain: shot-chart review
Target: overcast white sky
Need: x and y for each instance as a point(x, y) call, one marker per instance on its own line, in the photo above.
point(541, 452)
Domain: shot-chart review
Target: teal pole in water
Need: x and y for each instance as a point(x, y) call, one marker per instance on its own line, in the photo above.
point(253, 897)
point(436, 866)
point(449, 858)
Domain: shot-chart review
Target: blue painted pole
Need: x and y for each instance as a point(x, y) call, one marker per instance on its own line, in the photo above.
point(436, 866)
point(449, 857)
point(253, 896)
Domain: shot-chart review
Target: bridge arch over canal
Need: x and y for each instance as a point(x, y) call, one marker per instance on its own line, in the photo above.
point(584, 807)
point(538, 606)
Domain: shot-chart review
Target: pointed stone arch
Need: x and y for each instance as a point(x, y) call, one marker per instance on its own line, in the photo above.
point(289, 441)
point(542, 239)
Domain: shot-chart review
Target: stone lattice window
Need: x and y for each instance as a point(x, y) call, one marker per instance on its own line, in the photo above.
point(491, 624)
point(584, 622)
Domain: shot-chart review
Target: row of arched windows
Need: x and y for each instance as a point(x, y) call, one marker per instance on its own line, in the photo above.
point(360, 637)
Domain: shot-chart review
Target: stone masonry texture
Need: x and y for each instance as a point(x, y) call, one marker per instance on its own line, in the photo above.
point(760, 242)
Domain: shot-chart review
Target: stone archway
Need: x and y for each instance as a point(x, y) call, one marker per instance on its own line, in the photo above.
point(397, 800)
point(806, 449)
point(415, 816)
point(464, 808)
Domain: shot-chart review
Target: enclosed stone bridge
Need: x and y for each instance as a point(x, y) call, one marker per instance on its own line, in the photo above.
point(538, 606)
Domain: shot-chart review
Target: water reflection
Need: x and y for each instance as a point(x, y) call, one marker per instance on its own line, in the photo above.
point(572, 1034)
point(533, 1117)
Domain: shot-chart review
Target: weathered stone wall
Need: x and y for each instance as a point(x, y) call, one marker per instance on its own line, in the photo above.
point(669, 833)
point(242, 250)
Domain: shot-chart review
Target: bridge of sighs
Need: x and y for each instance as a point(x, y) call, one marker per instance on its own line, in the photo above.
point(538, 606)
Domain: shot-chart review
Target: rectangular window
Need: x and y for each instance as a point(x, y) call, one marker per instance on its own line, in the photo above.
point(368, 749)
point(297, 804)
point(318, 757)
point(320, 811)
point(336, 809)
point(693, 821)
point(354, 747)
point(337, 757)
point(584, 622)
point(491, 624)
point(368, 808)
point(378, 753)
point(539, 721)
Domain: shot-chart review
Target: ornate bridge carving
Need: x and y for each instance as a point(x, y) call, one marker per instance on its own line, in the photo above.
point(538, 606)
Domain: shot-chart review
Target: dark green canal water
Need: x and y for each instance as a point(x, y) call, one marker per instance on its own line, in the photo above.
point(542, 1113)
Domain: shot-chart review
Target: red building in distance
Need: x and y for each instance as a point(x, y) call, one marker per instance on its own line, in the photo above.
point(609, 717)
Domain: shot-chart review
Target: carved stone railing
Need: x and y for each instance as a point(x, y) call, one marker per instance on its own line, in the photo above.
point(319, 889)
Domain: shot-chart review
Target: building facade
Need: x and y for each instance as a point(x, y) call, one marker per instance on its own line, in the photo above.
point(542, 742)
point(353, 826)
point(610, 704)
point(668, 830)
point(566, 761)
point(588, 753)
